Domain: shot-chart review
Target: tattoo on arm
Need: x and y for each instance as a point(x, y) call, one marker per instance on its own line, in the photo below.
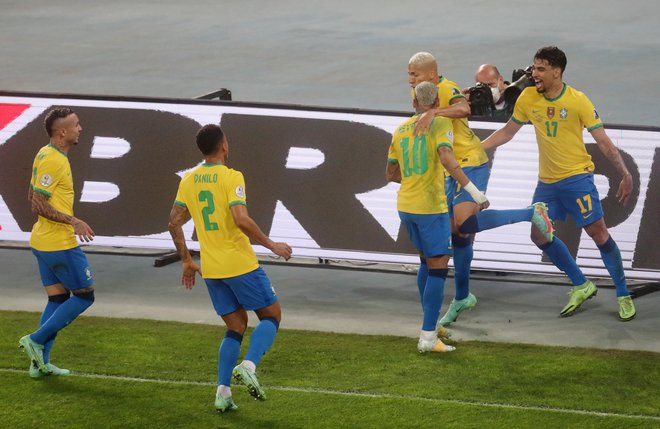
point(42, 207)
point(179, 216)
point(612, 153)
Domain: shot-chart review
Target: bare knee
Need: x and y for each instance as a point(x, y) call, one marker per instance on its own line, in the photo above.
point(437, 262)
point(273, 311)
point(236, 321)
point(598, 232)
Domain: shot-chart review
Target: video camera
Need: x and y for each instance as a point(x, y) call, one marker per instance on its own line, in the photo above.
point(481, 100)
point(521, 79)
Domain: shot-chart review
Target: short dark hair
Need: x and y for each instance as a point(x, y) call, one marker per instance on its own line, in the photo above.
point(54, 115)
point(209, 138)
point(553, 55)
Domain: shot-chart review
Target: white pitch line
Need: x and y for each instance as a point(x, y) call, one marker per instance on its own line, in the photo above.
point(378, 395)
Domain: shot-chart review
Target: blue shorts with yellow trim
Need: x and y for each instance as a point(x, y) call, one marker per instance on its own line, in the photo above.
point(430, 233)
point(69, 267)
point(576, 196)
point(456, 194)
point(250, 291)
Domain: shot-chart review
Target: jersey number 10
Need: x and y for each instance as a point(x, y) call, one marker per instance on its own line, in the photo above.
point(419, 158)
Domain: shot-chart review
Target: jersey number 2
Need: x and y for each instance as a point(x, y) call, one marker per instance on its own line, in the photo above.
point(207, 196)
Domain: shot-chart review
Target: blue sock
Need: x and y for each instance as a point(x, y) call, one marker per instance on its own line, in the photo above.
point(561, 257)
point(54, 301)
point(261, 339)
point(489, 219)
point(611, 255)
point(422, 275)
point(228, 352)
point(433, 296)
point(463, 253)
point(62, 316)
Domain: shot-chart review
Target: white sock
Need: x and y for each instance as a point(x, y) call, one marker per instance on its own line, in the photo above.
point(223, 391)
point(249, 365)
point(428, 335)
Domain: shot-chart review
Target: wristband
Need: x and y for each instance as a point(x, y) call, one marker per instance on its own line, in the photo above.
point(475, 193)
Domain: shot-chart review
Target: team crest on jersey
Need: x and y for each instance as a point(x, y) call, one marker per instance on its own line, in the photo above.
point(455, 91)
point(596, 115)
point(551, 112)
point(46, 180)
point(450, 136)
point(240, 191)
point(563, 113)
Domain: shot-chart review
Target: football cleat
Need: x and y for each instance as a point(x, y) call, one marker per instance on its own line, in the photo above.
point(626, 308)
point(35, 352)
point(35, 372)
point(436, 346)
point(242, 375)
point(224, 404)
point(542, 221)
point(455, 308)
point(579, 294)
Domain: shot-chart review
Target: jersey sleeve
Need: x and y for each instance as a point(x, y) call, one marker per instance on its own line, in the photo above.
point(180, 199)
point(519, 111)
point(588, 114)
point(392, 156)
point(235, 189)
point(46, 175)
point(448, 92)
point(442, 132)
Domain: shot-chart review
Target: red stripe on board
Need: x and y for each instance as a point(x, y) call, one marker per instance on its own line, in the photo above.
point(9, 112)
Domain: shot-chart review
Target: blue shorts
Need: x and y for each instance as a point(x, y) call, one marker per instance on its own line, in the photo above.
point(69, 267)
point(576, 195)
point(251, 291)
point(430, 233)
point(455, 194)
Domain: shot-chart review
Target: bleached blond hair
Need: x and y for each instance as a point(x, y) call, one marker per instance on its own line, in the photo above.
point(426, 93)
point(423, 59)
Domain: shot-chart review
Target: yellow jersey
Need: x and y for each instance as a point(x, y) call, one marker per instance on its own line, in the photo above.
point(467, 146)
point(208, 192)
point(422, 175)
point(558, 124)
point(51, 176)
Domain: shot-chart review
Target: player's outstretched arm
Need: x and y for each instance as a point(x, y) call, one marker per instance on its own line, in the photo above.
point(612, 153)
point(178, 217)
point(454, 169)
point(250, 228)
point(501, 136)
point(43, 208)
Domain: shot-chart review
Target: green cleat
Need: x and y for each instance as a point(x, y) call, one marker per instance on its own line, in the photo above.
point(35, 372)
point(224, 404)
point(35, 352)
point(626, 308)
point(579, 294)
point(542, 221)
point(51, 369)
point(241, 375)
point(455, 308)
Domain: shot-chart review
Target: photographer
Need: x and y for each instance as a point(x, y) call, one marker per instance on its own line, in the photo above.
point(486, 96)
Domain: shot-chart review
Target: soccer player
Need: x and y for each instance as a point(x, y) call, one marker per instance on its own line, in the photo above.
point(566, 181)
point(417, 163)
point(62, 264)
point(214, 196)
point(464, 211)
